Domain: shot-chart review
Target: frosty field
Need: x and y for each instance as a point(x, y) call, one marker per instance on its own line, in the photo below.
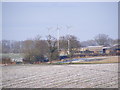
point(60, 76)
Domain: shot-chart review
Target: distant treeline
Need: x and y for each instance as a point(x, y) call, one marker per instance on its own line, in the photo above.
point(37, 49)
point(11, 46)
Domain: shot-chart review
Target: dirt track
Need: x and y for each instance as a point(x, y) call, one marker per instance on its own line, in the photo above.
point(61, 76)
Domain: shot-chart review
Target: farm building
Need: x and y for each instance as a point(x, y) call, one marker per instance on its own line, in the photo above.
point(63, 52)
point(92, 49)
point(115, 49)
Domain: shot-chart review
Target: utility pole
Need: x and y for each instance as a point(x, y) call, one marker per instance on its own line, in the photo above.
point(68, 46)
point(68, 28)
point(58, 35)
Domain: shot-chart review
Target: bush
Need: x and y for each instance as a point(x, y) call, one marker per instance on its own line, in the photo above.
point(6, 60)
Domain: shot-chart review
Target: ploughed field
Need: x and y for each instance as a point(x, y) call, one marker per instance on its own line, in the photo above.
point(60, 76)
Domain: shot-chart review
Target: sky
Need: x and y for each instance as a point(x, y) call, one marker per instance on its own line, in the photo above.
point(26, 20)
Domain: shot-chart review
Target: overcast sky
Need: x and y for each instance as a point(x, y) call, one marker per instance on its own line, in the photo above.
point(21, 21)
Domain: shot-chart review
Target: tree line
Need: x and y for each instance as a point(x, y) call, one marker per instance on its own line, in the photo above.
point(38, 49)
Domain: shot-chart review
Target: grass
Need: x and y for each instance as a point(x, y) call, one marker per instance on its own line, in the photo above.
point(11, 55)
point(109, 59)
point(82, 63)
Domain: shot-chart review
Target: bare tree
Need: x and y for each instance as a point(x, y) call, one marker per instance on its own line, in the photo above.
point(40, 49)
point(102, 39)
point(5, 46)
point(35, 50)
point(63, 43)
point(52, 48)
point(28, 50)
point(72, 44)
point(116, 41)
point(10, 46)
point(88, 43)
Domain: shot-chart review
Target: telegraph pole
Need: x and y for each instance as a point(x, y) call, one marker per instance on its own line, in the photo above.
point(58, 35)
point(68, 28)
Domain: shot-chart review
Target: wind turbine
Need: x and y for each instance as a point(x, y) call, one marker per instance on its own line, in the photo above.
point(68, 28)
point(58, 36)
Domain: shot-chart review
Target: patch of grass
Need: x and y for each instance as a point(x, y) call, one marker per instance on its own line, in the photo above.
point(81, 63)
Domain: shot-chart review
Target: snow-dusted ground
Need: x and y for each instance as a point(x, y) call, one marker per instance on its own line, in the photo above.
point(61, 76)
